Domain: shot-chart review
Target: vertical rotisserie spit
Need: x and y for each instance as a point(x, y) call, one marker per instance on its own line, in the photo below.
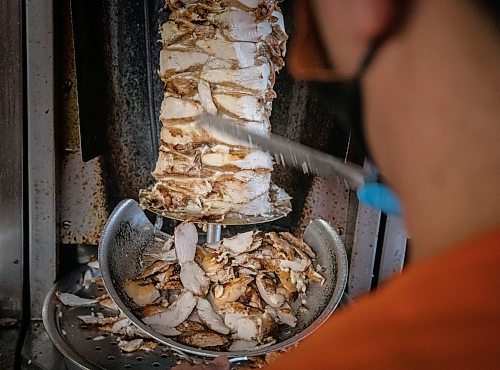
point(219, 57)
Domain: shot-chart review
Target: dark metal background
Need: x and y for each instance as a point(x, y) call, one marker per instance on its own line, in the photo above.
point(11, 175)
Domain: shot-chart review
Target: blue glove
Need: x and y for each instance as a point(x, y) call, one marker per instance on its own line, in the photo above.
point(380, 197)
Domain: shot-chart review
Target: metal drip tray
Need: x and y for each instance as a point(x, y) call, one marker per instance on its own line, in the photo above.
point(76, 341)
point(128, 233)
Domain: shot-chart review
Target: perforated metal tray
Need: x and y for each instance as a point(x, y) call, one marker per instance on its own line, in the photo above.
point(76, 341)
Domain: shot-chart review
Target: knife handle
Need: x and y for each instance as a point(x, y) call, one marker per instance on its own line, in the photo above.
point(380, 197)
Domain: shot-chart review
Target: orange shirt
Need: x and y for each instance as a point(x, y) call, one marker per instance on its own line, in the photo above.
point(443, 313)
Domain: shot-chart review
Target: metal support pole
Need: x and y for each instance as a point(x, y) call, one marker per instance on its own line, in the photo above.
point(214, 233)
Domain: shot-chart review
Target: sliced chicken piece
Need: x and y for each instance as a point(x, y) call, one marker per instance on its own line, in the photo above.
point(264, 10)
point(182, 134)
point(268, 326)
point(240, 106)
point(248, 328)
point(255, 79)
point(120, 326)
point(175, 109)
point(108, 302)
point(167, 256)
point(72, 300)
point(88, 278)
point(224, 275)
point(257, 159)
point(153, 269)
point(209, 317)
point(265, 252)
point(238, 307)
point(314, 275)
point(132, 332)
point(240, 54)
point(130, 346)
point(239, 25)
point(203, 339)
point(247, 176)
point(165, 330)
point(300, 244)
point(267, 290)
point(231, 291)
point(231, 320)
point(246, 271)
point(176, 313)
point(173, 285)
point(286, 281)
point(234, 311)
point(281, 245)
point(243, 345)
point(209, 261)
point(286, 315)
point(245, 4)
point(93, 264)
point(189, 327)
point(185, 240)
point(96, 320)
point(298, 279)
point(193, 278)
point(261, 128)
point(163, 278)
point(280, 24)
point(142, 294)
point(172, 33)
point(280, 289)
point(175, 61)
point(194, 317)
point(153, 310)
point(206, 97)
point(220, 156)
point(254, 327)
point(183, 85)
point(252, 298)
point(295, 265)
point(240, 243)
point(148, 346)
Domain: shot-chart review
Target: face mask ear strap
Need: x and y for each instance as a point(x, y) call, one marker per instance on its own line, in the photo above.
point(400, 15)
point(345, 98)
point(356, 113)
point(370, 55)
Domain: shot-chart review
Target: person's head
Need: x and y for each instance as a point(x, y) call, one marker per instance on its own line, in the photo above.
point(431, 103)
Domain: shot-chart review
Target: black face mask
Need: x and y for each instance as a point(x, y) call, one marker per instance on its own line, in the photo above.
point(349, 114)
point(349, 95)
point(347, 100)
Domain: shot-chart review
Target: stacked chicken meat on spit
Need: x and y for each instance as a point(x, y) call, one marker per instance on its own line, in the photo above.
point(219, 57)
point(232, 294)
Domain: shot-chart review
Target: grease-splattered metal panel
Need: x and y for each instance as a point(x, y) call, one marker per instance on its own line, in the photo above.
point(81, 209)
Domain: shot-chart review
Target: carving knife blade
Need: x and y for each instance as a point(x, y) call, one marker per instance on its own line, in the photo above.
point(288, 152)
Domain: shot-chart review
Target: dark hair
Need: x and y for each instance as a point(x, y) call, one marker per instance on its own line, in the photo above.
point(492, 6)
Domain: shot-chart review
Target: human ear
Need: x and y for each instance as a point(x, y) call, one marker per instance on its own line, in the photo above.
point(348, 28)
point(373, 18)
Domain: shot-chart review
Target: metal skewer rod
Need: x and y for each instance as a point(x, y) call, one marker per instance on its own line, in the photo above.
point(213, 233)
point(158, 222)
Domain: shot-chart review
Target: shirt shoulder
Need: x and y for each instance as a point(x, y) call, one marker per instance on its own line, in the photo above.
point(442, 313)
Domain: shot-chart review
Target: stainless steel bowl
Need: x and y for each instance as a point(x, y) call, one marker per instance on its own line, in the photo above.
point(128, 233)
